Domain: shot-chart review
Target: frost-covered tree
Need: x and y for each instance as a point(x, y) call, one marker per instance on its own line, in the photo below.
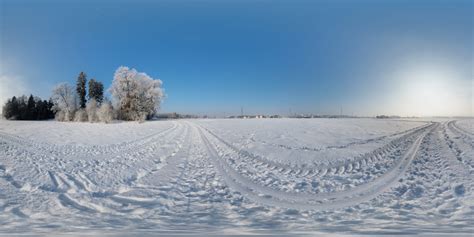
point(96, 90)
point(105, 112)
point(65, 102)
point(81, 89)
point(136, 95)
point(91, 109)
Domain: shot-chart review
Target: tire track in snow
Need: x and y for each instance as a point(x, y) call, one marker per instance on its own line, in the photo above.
point(268, 196)
point(89, 162)
point(9, 178)
point(461, 134)
point(160, 164)
point(73, 150)
point(456, 159)
point(322, 168)
point(105, 199)
point(344, 146)
point(463, 130)
point(328, 180)
point(462, 151)
point(161, 179)
point(71, 187)
point(71, 192)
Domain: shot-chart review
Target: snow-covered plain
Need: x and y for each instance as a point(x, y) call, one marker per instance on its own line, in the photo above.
point(345, 176)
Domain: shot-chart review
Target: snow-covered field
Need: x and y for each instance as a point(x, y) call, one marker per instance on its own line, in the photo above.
point(343, 176)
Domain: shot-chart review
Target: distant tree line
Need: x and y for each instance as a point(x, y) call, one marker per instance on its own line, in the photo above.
point(28, 108)
point(135, 96)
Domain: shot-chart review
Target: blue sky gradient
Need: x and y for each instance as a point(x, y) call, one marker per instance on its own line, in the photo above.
point(267, 56)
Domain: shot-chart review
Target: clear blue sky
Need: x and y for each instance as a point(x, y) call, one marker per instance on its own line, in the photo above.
point(368, 57)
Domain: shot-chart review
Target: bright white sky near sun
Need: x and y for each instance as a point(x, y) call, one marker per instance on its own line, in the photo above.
point(408, 58)
point(424, 87)
point(433, 90)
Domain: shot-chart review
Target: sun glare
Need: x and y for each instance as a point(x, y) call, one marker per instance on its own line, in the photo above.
point(433, 91)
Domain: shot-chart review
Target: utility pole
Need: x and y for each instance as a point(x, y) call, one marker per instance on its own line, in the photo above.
point(242, 111)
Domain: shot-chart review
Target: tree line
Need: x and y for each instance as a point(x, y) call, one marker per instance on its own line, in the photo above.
point(28, 108)
point(135, 96)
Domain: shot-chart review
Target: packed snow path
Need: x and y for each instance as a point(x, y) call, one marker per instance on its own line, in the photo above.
point(187, 176)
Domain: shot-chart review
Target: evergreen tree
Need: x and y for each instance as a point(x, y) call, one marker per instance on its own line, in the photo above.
point(39, 108)
point(7, 109)
point(30, 109)
point(43, 112)
point(50, 108)
point(81, 89)
point(14, 108)
point(22, 108)
point(96, 90)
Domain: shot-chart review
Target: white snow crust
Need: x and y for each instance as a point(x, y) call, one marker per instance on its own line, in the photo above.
point(235, 176)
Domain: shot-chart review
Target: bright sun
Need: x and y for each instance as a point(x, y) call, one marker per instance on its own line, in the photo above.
point(433, 92)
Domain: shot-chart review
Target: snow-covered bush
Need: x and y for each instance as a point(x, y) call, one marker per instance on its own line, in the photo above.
point(80, 116)
point(65, 102)
point(91, 109)
point(69, 115)
point(136, 95)
point(59, 116)
point(105, 112)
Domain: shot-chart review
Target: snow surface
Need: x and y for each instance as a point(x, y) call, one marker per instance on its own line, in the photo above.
point(344, 176)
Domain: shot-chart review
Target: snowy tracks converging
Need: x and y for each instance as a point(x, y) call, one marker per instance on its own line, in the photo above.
point(339, 167)
point(188, 176)
point(239, 177)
